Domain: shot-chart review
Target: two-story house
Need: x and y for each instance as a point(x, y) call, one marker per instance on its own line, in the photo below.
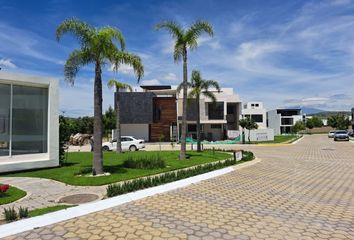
point(257, 112)
point(283, 120)
point(154, 113)
point(216, 118)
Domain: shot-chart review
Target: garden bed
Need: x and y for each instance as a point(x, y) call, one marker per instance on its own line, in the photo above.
point(11, 195)
point(78, 163)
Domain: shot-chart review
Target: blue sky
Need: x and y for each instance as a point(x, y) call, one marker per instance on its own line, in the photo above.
point(284, 53)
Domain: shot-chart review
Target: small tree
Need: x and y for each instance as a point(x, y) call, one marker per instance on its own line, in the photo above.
point(339, 121)
point(118, 86)
point(309, 123)
point(109, 120)
point(299, 126)
point(250, 124)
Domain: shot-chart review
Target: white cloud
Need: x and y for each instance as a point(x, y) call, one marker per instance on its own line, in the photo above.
point(150, 82)
point(170, 77)
point(25, 43)
point(7, 63)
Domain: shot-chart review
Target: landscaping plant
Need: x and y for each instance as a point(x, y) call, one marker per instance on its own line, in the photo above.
point(3, 189)
point(200, 87)
point(148, 162)
point(97, 47)
point(23, 212)
point(185, 39)
point(10, 214)
point(141, 183)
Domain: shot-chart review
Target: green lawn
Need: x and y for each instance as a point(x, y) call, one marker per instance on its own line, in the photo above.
point(281, 139)
point(41, 211)
point(11, 195)
point(113, 164)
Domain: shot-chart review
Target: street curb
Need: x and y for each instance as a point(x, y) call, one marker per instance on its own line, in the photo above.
point(84, 209)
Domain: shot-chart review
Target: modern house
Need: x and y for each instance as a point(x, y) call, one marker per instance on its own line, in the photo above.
point(217, 119)
point(29, 129)
point(149, 114)
point(154, 113)
point(257, 112)
point(282, 120)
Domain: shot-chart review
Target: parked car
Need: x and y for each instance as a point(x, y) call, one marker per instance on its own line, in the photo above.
point(341, 135)
point(351, 134)
point(129, 143)
point(331, 134)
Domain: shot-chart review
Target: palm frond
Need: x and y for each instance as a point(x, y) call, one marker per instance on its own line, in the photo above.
point(180, 86)
point(76, 60)
point(211, 83)
point(112, 83)
point(210, 95)
point(172, 27)
point(130, 59)
point(81, 30)
point(195, 30)
point(110, 33)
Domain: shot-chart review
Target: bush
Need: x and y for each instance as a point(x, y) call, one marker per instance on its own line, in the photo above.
point(10, 214)
point(141, 183)
point(149, 162)
point(23, 212)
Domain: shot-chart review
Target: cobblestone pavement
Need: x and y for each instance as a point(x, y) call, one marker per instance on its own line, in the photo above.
point(301, 191)
point(43, 193)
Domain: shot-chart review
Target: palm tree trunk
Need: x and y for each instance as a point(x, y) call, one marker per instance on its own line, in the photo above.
point(118, 132)
point(199, 148)
point(97, 124)
point(182, 155)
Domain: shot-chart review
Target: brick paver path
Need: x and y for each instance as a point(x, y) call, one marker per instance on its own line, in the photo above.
point(302, 191)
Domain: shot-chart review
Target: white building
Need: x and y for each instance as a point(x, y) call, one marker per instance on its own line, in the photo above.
point(29, 128)
point(257, 112)
point(216, 119)
point(283, 120)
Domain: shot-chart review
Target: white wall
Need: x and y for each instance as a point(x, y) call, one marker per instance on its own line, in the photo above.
point(260, 135)
point(40, 160)
point(248, 109)
point(274, 121)
point(139, 131)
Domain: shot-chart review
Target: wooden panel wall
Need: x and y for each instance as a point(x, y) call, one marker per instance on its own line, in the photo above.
point(168, 115)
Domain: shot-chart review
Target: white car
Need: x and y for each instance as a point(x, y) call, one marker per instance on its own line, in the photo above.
point(129, 143)
point(331, 134)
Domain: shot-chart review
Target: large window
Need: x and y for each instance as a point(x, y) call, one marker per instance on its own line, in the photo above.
point(23, 120)
point(216, 111)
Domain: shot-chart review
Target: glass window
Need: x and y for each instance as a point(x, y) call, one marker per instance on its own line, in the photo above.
point(216, 111)
point(5, 101)
point(258, 118)
point(29, 120)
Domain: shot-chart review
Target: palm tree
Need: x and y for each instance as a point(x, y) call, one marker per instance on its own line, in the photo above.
point(118, 86)
point(250, 124)
point(98, 47)
point(185, 39)
point(198, 88)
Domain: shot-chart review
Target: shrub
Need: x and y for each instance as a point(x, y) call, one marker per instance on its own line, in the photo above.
point(4, 188)
point(148, 162)
point(10, 214)
point(141, 183)
point(23, 212)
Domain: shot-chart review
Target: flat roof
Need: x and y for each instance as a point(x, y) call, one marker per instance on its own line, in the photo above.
point(156, 87)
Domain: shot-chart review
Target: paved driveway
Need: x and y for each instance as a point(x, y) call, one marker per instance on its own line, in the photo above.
point(301, 191)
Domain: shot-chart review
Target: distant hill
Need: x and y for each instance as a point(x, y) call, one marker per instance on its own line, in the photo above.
point(308, 110)
point(327, 114)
